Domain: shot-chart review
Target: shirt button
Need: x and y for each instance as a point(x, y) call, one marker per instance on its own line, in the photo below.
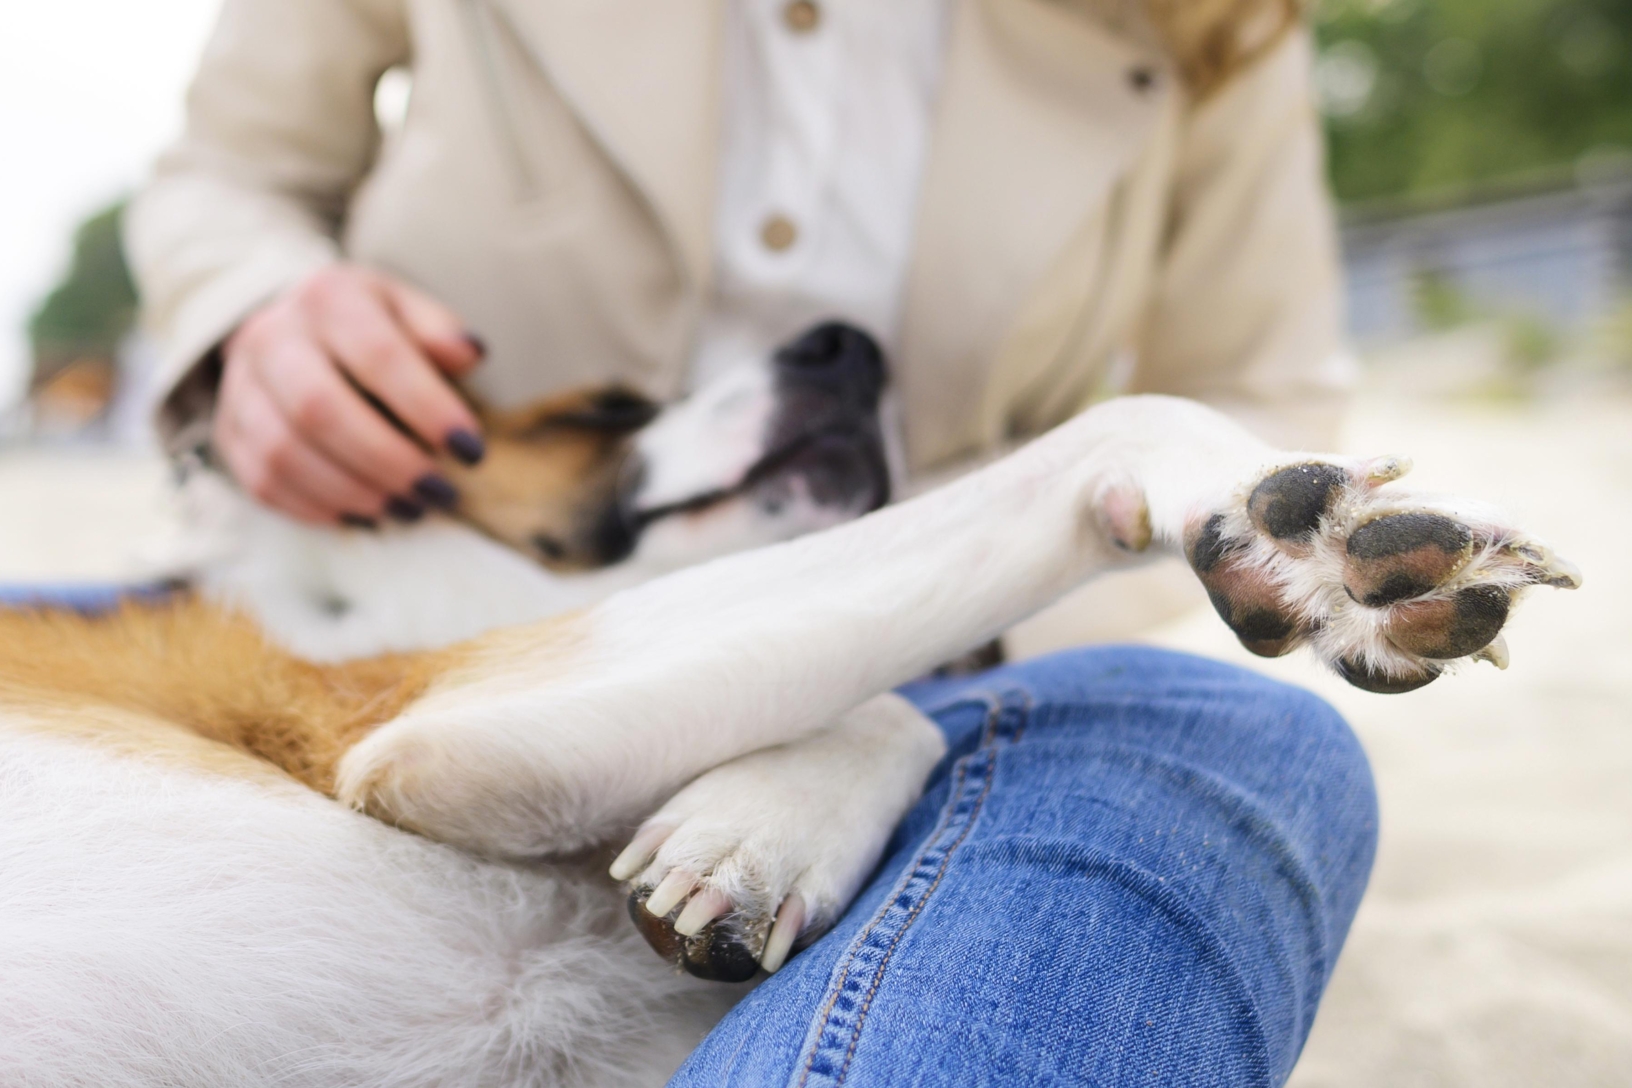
point(802, 16)
point(778, 233)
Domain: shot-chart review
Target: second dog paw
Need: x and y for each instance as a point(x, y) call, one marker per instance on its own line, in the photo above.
point(757, 858)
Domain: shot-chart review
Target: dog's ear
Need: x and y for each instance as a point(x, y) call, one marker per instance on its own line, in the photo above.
point(609, 411)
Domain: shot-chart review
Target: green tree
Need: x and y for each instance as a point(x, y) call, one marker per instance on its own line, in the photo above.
point(1429, 95)
point(93, 308)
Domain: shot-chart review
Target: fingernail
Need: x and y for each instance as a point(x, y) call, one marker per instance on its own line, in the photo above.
point(436, 491)
point(358, 521)
point(477, 343)
point(404, 509)
point(466, 447)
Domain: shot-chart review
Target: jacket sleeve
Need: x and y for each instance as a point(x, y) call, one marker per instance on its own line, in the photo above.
point(279, 130)
point(1246, 314)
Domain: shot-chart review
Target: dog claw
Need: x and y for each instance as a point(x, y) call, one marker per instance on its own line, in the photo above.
point(1495, 653)
point(1383, 470)
point(1562, 574)
point(790, 919)
point(635, 856)
point(669, 892)
point(703, 908)
point(1551, 569)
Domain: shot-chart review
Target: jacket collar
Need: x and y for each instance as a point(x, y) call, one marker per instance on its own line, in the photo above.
point(1042, 111)
point(644, 78)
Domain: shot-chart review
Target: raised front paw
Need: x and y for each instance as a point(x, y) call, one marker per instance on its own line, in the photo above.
point(1387, 587)
point(759, 857)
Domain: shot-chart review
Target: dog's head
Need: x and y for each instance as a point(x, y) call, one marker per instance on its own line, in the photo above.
point(767, 451)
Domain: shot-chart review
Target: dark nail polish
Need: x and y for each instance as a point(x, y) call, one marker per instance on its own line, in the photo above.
point(466, 447)
point(404, 509)
point(478, 343)
point(358, 521)
point(436, 491)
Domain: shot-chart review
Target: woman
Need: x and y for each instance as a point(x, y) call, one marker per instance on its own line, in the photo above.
point(1139, 867)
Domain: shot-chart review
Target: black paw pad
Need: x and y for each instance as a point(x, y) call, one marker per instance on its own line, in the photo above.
point(1242, 596)
point(1289, 504)
point(1207, 547)
point(1401, 556)
point(1368, 679)
point(1454, 627)
point(716, 953)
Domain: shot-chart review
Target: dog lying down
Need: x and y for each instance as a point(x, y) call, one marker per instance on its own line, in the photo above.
point(185, 903)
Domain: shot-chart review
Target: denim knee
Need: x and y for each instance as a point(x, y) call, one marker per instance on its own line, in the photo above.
point(1249, 800)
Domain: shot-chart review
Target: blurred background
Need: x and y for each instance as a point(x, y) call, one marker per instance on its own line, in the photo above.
point(1482, 154)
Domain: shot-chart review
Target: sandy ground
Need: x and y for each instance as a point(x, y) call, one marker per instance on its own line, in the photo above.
point(1495, 946)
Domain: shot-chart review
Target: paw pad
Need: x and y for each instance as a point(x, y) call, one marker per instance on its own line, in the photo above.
point(1451, 627)
point(716, 952)
point(1289, 504)
point(1400, 556)
point(1367, 678)
point(1246, 599)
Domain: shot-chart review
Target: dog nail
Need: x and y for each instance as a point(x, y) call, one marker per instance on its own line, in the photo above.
point(704, 907)
point(639, 851)
point(789, 921)
point(436, 491)
point(667, 895)
point(1382, 470)
point(406, 510)
point(477, 344)
point(358, 521)
point(1496, 653)
point(467, 447)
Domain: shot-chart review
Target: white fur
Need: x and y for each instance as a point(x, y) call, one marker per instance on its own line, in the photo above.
point(163, 926)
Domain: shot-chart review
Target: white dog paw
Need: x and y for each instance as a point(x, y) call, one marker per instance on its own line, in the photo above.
point(760, 856)
point(1389, 588)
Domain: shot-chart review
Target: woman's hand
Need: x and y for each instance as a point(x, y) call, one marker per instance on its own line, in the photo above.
point(293, 426)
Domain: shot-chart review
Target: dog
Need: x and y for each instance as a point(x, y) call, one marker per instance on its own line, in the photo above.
point(186, 903)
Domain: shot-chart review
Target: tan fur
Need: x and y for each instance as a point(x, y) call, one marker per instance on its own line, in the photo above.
point(551, 473)
point(144, 672)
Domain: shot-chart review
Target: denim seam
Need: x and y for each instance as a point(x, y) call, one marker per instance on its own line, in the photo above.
point(997, 708)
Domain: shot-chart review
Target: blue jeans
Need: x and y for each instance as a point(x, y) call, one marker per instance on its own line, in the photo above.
point(1133, 868)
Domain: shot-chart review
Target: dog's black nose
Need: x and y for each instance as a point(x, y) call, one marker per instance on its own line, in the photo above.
point(837, 357)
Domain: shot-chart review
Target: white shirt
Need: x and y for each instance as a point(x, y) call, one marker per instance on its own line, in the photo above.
point(827, 113)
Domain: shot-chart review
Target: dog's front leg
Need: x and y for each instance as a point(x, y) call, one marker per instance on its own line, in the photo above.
point(552, 740)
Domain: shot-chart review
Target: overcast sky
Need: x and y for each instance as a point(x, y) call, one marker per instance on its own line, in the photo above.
point(89, 91)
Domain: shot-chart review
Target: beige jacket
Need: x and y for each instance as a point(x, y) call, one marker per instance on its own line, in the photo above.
point(1085, 227)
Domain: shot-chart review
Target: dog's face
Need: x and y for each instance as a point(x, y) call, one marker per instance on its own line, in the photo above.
point(766, 452)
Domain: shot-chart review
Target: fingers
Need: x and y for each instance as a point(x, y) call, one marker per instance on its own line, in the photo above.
point(294, 421)
point(437, 329)
point(282, 468)
point(374, 329)
point(319, 406)
point(281, 471)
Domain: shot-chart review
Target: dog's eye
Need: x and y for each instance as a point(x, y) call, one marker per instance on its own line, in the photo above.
point(549, 547)
point(613, 410)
